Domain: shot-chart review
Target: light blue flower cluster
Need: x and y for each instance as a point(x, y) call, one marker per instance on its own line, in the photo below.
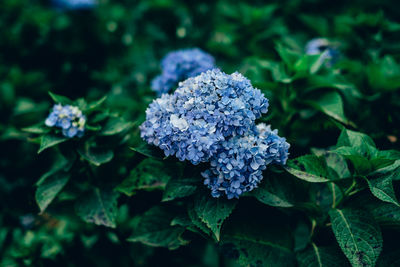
point(203, 111)
point(180, 65)
point(211, 118)
point(74, 4)
point(69, 118)
point(329, 51)
point(237, 166)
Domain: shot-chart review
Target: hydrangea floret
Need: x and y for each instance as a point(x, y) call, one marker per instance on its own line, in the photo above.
point(329, 51)
point(211, 118)
point(69, 118)
point(237, 166)
point(180, 65)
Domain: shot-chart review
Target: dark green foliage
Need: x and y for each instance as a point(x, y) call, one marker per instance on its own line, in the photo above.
point(109, 199)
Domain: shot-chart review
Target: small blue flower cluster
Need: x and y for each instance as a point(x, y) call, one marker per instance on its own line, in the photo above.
point(74, 4)
point(180, 65)
point(69, 118)
point(323, 46)
point(211, 118)
point(237, 166)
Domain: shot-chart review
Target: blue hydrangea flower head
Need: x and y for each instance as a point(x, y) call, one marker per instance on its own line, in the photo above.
point(180, 65)
point(203, 112)
point(323, 46)
point(74, 4)
point(237, 166)
point(69, 119)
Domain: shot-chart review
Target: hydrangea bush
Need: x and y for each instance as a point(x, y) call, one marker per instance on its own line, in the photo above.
point(109, 170)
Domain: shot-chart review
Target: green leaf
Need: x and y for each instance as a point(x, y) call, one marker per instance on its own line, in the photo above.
point(148, 151)
point(49, 188)
point(358, 235)
point(385, 214)
point(115, 125)
point(382, 188)
point(95, 155)
point(331, 104)
point(179, 187)
point(98, 207)
point(154, 229)
point(359, 141)
point(310, 168)
point(59, 163)
point(60, 99)
point(95, 104)
point(276, 191)
point(315, 256)
point(259, 240)
point(37, 129)
point(50, 140)
point(213, 211)
point(338, 164)
point(148, 175)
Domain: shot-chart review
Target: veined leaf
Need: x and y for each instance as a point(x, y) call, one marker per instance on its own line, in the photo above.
point(259, 240)
point(358, 235)
point(331, 104)
point(178, 187)
point(154, 229)
point(309, 168)
point(50, 140)
point(95, 155)
point(98, 207)
point(148, 175)
point(49, 188)
point(213, 211)
point(382, 188)
point(315, 256)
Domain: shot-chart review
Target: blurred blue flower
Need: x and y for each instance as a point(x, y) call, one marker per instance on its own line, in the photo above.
point(329, 51)
point(74, 4)
point(203, 112)
point(180, 65)
point(237, 166)
point(69, 118)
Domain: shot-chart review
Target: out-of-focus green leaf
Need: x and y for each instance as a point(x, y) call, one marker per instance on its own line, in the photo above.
point(98, 206)
point(154, 229)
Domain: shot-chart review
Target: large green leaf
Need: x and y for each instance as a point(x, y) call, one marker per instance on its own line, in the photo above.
point(148, 175)
point(277, 191)
point(259, 240)
point(358, 235)
point(95, 155)
point(382, 188)
point(213, 211)
point(359, 142)
point(309, 168)
point(148, 151)
point(60, 99)
point(178, 187)
point(49, 140)
point(48, 189)
point(385, 214)
point(115, 125)
point(154, 229)
point(98, 206)
point(331, 104)
point(315, 256)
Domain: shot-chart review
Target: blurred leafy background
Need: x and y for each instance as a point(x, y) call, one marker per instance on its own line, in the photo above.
point(114, 49)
